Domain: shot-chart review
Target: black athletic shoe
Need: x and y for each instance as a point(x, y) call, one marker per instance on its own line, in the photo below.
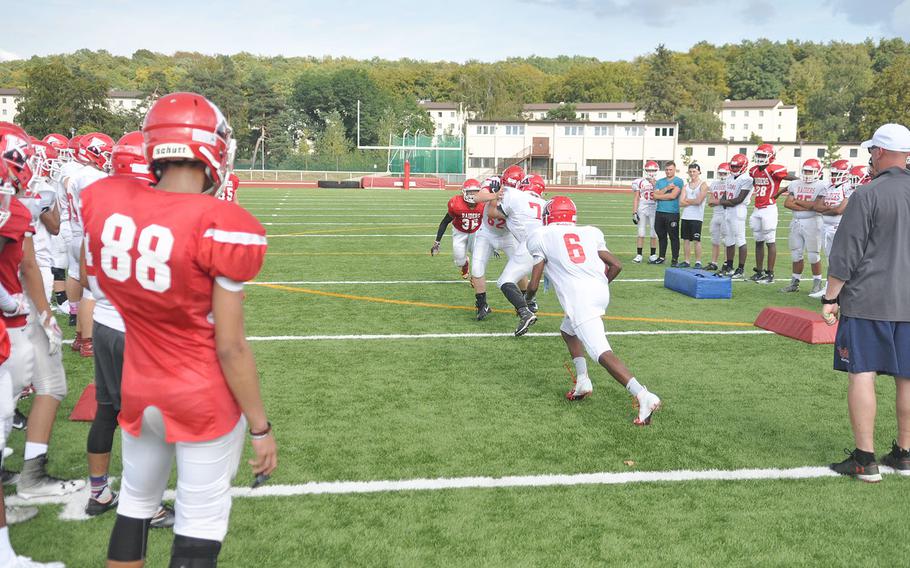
point(72, 321)
point(897, 459)
point(20, 421)
point(757, 274)
point(483, 311)
point(532, 305)
point(660, 261)
point(767, 278)
point(852, 467)
point(96, 507)
point(711, 266)
point(9, 477)
point(738, 274)
point(525, 321)
point(164, 518)
point(682, 264)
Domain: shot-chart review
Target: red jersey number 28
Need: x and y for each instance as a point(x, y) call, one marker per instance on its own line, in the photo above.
point(575, 250)
point(155, 244)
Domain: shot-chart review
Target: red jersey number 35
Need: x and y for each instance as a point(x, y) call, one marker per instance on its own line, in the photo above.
point(154, 245)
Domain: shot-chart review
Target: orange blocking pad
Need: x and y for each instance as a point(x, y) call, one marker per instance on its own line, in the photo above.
point(85, 408)
point(797, 323)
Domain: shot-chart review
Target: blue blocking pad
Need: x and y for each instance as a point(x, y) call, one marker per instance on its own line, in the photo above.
point(699, 284)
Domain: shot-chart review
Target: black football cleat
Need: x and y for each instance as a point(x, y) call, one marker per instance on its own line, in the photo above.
point(483, 311)
point(526, 320)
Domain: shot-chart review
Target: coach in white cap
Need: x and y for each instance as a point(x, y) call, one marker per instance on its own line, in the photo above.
point(867, 285)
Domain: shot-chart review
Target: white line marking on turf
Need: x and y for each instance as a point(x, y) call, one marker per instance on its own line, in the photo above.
point(74, 504)
point(364, 337)
point(370, 282)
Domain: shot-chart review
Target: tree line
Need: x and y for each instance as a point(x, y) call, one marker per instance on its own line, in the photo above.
point(307, 105)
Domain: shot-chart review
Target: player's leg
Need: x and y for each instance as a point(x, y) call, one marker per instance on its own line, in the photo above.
point(517, 268)
point(147, 460)
point(641, 229)
point(755, 224)
point(582, 386)
point(85, 320)
point(460, 251)
point(661, 227)
point(729, 241)
point(696, 240)
point(109, 345)
point(204, 474)
point(686, 241)
point(73, 287)
point(650, 217)
point(480, 255)
point(49, 382)
point(592, 334)
point(673, 236)
point(797, 243)
point(814, 244)
point(741, 245)
point(717, 239)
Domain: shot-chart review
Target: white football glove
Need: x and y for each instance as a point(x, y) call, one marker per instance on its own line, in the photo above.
point(15, 305)
point(434, 250)
point(52, 331)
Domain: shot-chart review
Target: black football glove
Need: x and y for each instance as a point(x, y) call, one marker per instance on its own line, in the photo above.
point(635, 218)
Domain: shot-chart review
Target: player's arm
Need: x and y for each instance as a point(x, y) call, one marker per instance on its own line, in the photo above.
point(740, 197)
point(793, 203)
point(83, 272)
point(636, 197)
point(819, 206)
point(443, 225)
point(614, 265)
point(50, 218)
point(839, 210)
point(485, 195)
point(702, 194)
point(534, 282)
point(239, 367)
point(34, 288)
point(10, 304)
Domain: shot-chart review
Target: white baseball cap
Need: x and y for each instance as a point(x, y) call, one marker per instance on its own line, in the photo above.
point(894, 137)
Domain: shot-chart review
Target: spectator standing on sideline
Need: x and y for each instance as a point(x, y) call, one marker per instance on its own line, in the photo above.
point(869, 262)
point(692, 200)
point(666, 220)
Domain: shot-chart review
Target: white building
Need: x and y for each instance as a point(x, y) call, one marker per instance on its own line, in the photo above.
point(592, 112)
point(448, 118)
point(791, 154)
point(769, 119)
point(568, 152)
point(118, 101)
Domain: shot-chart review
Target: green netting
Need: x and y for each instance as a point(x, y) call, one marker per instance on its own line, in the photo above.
point(428, 161)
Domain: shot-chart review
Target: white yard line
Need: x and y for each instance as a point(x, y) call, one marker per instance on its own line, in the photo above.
point(414, 236)
point(383, 282)
point(74, 504)
point(364, 337)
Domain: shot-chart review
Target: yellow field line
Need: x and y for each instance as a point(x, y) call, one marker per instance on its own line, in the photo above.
point(471, 308)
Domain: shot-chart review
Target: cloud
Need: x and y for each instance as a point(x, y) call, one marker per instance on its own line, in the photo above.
point(761, 11)
point(657, 13)
point(890, 15)
point(8, 55)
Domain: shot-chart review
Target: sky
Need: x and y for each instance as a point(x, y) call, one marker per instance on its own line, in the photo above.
point(438, 30)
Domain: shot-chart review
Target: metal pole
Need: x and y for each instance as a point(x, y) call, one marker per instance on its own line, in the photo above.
point(358, 123)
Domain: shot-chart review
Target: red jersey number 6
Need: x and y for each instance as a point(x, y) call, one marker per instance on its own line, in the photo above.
point(575, 250)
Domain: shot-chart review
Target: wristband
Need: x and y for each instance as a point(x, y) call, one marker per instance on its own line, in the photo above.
point(826, 301)
point(263, 434)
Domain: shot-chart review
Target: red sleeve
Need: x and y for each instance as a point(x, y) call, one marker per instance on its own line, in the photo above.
point(232, 243)
point(451, 207)
point(19, 222)
point(779, 173)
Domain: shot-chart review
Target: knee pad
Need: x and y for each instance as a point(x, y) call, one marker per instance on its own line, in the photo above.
point(53, 385)
point(796, 255)
point(59, 274)
point(87, 294)
point(189, 552)
point(128, 539)
point(101, 434)
point(814, 257)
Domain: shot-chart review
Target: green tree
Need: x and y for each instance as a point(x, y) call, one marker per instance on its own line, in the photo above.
point(699, 125)
point(659, 93)
point(331, 142)
point(834, 110)
point(563, 112)
point(757, 70)
point(832, 152)
point(888, 100)
point(58, 98)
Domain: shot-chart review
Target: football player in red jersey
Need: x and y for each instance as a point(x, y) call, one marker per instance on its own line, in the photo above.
point(766, 178)
point(36, 340)
point(465, 214)
point(172, 259)
point(229, 191)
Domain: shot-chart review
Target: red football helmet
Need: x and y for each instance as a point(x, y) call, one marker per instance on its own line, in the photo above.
point(128, 158)
point(764, 154)
point(44, 158)
point(512, 176)
point(840, 172)
point(859, 175)
point(560, 209)
point(469, 190)
point(811, 170)
point(739, 163)
point(651, 169)
point(96, 147)
point(723, 170)
point(534, 184)
point(16, 153)
point(187, 126)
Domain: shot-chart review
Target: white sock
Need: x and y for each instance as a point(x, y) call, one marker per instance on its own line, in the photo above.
point(633, 387)
point(797, 276)
point(34, 449)
point(581, 366)
point(7, 555)
point(817, 278)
